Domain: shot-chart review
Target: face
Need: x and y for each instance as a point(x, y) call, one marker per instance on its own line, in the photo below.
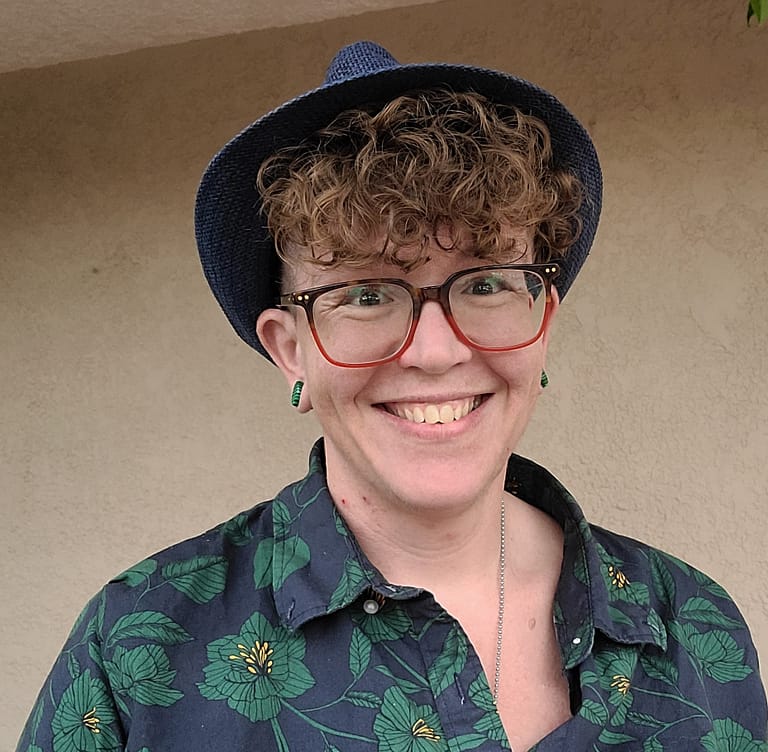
point(377, 446)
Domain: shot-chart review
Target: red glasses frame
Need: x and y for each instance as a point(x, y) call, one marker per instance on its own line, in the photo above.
point(419, 295)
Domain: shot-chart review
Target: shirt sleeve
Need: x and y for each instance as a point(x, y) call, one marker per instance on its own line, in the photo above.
point(76, 708)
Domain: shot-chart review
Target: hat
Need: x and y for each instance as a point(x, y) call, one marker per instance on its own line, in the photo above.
point(236, 249)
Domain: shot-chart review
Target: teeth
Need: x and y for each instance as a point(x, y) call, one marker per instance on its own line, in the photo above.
point(436, 413)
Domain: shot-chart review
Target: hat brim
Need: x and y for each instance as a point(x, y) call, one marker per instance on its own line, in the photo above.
point(236, 249)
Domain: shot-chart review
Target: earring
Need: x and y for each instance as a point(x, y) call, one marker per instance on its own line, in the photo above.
point(544, 379)
point(296, 393)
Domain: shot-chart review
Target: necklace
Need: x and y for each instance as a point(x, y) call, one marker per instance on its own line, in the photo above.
point(500, 616)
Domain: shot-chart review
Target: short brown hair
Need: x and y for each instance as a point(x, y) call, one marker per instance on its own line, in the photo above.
point(422, 163)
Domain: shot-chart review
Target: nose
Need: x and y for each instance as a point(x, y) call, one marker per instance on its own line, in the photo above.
point(435, 348)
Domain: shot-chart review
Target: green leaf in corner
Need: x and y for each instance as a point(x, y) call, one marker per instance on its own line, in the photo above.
point(363, 699)
point(720, 656)
point(594, 712)
point(757, 9)
point(661, 668)
point(614, 737)
point(201, 578)
point(144, 674)
point(73, 665)
point(729, 735)
point(652, 744)
point(290, 555)
point(152, 626)
point(706, 612)
point(359, 653)
point(262, 563)
point(450, 663)
point(137, 574)
point(237, 531)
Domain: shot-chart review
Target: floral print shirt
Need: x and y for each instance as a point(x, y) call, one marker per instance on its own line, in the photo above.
point(274, 632)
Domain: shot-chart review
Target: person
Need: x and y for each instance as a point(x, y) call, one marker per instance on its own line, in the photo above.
point(398, 241)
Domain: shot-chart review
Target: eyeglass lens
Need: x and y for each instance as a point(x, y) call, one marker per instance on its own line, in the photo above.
point(496, 308)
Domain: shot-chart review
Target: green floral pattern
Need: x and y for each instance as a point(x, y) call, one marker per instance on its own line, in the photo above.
point(254, 635)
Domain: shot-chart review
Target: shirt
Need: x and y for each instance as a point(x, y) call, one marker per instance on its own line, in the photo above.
point(274, 632)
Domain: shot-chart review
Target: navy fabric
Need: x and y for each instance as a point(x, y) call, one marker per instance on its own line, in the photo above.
point(255, 635)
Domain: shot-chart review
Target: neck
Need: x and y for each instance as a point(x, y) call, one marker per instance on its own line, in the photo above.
point(425, 547)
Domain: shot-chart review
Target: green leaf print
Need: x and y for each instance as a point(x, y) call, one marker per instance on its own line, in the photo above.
point(390, 622)
point(643, 719)
point(34, 748)
point(616, 668)
point(450, 663)
point(137, 574)
point(662, 579)
point(718, 654)
point(729, 736)
point(281, 519)
point(489, 724)
point(359, 653)
point(618, 616)
point(143, 673)
point(594, 712)
point(95, 653)
point(236, 530)
point(710, 585)
point(201, 578)
point(152, 626)
point(350, 584)
point(706, 612)
point(403, 726)
point(255, 670)
point(614, 737)
point(652, 744)
point(262, 563)
point(81, 722)
point(363, 699)
point(289, 555)
point(658, 667)
point(73, 665)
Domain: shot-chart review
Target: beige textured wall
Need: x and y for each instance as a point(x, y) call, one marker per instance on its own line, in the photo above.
point(133, 417)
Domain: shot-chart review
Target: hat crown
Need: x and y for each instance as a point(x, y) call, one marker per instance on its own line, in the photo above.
point(358, 59)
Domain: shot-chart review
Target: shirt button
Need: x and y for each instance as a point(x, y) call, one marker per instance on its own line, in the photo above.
point(371, 606)
point(576, 640)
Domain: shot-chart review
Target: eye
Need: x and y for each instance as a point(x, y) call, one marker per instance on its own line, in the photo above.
point(366, 295)
point(487, 285)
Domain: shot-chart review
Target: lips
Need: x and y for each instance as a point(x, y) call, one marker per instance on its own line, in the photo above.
point(434, 412)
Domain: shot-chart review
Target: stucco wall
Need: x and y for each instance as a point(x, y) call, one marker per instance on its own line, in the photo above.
point(132, 416)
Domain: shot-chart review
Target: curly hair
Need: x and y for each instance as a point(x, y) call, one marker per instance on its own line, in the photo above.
point(425, 165)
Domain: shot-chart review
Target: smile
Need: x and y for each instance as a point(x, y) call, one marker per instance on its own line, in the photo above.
point(440, 412)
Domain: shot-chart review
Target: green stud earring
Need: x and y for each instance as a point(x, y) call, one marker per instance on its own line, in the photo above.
point(296, 393)
point(544, 379)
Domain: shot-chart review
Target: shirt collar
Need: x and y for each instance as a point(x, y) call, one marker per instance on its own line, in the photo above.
point(318, 568)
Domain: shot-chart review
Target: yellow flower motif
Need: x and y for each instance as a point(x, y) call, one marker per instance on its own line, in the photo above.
point(621, 684)
point(618, 578)
point(91, 722)
point(258, 659)
point(421, 730)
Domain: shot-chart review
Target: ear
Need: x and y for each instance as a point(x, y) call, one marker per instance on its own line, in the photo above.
point(554, 306)
point(277, 331)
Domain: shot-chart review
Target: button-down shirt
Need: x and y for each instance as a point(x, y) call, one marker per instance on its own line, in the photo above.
point(274, 632)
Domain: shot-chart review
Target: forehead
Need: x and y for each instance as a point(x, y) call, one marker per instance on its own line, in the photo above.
point(443, 255)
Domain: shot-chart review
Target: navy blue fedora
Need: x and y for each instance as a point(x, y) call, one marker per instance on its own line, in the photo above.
point(236, 249)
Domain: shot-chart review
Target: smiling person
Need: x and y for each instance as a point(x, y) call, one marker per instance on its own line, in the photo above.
point(398, 242)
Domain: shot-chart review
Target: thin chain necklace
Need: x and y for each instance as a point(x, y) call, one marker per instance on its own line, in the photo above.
point(500, 616)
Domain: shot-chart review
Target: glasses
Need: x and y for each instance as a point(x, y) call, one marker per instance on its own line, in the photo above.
point(367, 322)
